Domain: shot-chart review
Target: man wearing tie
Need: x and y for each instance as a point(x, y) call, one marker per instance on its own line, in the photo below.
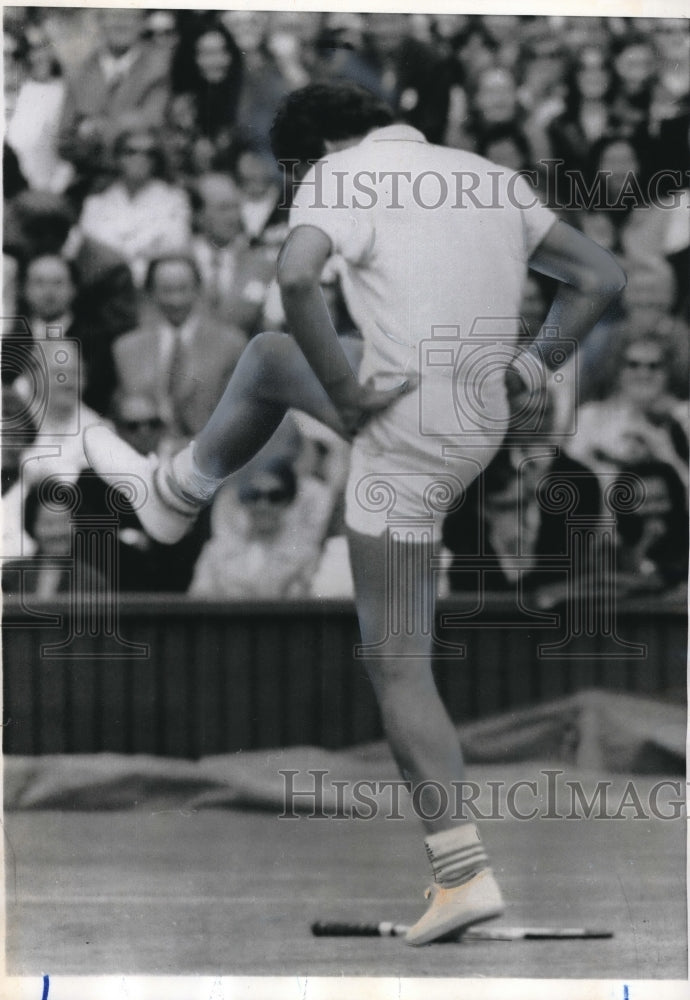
point(181, 356)
point(236, 276)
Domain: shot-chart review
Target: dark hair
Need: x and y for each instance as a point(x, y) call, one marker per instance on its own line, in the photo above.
point(34, 218)
point(171, 258)
point(320, 111)
point(598, 149)
point(216, 104)
point(70, 267)
point(475, 27)
point(31, 508)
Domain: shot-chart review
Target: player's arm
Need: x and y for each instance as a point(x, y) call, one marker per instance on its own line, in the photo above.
point(589, 280)
point(300, 264)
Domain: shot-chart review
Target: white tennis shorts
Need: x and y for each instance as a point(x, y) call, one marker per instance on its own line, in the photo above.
point(411, 465)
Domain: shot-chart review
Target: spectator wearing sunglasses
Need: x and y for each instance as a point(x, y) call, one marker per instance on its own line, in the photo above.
point(256, 550)
point(139, 214)
point(142, 564)
point(640, 420)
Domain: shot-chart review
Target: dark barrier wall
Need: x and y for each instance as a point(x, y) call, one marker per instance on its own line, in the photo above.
point(210, 678)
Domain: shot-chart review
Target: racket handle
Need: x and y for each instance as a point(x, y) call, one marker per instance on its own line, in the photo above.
point(339, 928)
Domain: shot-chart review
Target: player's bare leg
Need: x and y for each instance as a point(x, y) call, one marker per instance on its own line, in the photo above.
point(420, 733)
point(423, 741)
point(271, 377)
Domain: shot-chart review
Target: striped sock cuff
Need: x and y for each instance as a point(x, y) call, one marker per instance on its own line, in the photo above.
point(456, 855)
point(170, 494)
point(187, 481)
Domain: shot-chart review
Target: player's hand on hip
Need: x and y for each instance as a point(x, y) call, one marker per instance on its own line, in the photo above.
point(367, 402)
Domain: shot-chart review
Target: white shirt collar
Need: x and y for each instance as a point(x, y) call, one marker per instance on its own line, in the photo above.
point(397, 132)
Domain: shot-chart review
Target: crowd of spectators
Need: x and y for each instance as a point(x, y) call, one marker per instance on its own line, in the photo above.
point(143, 219)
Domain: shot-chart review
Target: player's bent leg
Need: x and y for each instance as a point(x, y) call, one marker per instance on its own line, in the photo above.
point(423, 741)
point(271, 376)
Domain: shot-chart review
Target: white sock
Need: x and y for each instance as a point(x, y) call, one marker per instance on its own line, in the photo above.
point(456, 855)
point(188, 481)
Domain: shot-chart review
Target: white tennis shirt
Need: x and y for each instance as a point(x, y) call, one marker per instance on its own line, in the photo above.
point(425, 238)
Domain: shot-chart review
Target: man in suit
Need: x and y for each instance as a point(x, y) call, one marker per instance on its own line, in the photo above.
point(263, 212)
point(182, 355)
point(123, 77)
point(38, 223)
point(49, 293)
point(236, 275)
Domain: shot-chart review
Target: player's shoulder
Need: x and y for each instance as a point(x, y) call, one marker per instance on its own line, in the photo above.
point(463, 158)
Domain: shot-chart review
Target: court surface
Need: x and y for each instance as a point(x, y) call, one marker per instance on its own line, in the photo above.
point(230, 892)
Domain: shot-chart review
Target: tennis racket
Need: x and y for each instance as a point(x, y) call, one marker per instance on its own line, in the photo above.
point(385, 928)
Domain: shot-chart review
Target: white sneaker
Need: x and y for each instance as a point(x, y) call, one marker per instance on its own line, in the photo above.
point(452, 910)
point(164, 516)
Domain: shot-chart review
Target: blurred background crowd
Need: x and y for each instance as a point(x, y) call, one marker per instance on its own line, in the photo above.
point(143, 218)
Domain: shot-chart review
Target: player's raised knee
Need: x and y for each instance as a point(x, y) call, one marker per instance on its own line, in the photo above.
point(268, 349)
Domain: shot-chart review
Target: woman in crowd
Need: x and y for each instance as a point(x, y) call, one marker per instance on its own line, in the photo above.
point(263, 556)
point(622, 217)
point(33, 128)
point(139, 214)
point(56, 567)
point(639, 420)
point(206, 81)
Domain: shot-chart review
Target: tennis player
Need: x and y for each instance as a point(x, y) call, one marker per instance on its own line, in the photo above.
point(426, 238)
